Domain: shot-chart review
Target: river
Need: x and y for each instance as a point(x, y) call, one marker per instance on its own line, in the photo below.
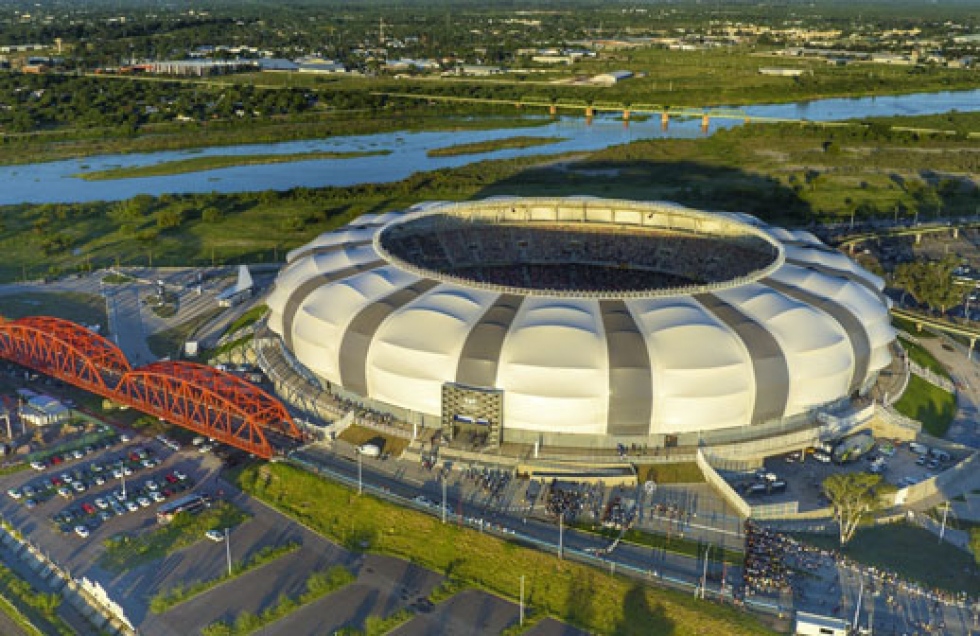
point(57, 181)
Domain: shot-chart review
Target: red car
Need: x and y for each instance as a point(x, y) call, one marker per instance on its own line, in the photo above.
point(171, 478)
point(88, 508)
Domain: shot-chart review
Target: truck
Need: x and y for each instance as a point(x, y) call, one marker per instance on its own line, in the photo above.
point(853, 447)
point(369, 450)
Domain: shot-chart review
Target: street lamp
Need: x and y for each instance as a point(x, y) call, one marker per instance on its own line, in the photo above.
point(522, 599)
point(360, 481)
point(228, 550)
point(704, 572)
point(561, 534)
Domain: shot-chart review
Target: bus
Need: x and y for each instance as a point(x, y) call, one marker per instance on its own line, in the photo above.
point(191, 504)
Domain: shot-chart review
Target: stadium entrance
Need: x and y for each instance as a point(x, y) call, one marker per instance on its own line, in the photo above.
point(472, 416)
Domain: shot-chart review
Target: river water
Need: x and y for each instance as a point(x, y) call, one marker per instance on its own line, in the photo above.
point(56, 182)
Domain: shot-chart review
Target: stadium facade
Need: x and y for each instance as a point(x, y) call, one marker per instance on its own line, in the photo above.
point(583, 321)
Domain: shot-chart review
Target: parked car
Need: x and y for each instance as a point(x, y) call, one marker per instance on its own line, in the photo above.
point(214, 535)
point(822, 457)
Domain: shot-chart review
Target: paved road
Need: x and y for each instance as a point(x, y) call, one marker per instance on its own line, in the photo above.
point(469, 503)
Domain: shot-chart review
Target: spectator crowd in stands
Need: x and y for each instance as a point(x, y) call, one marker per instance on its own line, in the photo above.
point(573, 256)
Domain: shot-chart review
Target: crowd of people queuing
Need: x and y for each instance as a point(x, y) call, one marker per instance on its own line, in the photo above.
point(569, 500)
point(887, 583)
point(610, 257)
point(765, 568)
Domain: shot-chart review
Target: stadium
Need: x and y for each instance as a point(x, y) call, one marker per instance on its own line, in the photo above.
point(582, 321)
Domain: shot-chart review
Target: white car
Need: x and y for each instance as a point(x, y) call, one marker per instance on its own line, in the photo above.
point(81, 531)
point(14, 493)
point(36, 465)
point(101, 503)
point(143, 502)
point(131, 505)
point(214, 535)
point(157, 496)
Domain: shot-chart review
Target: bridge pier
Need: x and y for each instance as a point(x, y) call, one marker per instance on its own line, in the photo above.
point(589, 112)
point(969, 354)
point(956, 232)
point(918, 238)
point(705, 122)
point(664, 121)
point(626, 114)
point(553, 110)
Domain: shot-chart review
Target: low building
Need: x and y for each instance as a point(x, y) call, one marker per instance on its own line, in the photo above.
point(816, 625)
point(781, 72)
point(478, 70)
point(202, 68)
point(277, 64)
point(613, 77)
point(326, 67)
point(43, 410)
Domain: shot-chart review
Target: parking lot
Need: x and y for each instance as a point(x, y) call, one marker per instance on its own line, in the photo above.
point(89, 493)
point(799, 476)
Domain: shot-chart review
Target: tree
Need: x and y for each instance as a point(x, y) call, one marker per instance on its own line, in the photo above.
point(975, 544)
point(852, 496)
point(930, 282)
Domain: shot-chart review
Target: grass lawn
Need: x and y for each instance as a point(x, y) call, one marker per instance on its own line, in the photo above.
point(923, 358)
point(661, 542)
point(198, 164)
point(680, 473)
point(83, 308)
point(166, 343)
point(125, 552)
point(358, 435)
point(908, 326)
point(494, 144)
point(929, 404)
point(581, 595)
point(912, 552)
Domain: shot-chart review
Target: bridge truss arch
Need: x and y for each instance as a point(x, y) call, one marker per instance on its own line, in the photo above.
point(194, 396)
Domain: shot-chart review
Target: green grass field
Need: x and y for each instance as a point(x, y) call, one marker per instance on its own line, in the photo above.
point(199, 164)
point(680, 473)
point(84, 308)
point(929, 404)
point(912, 552)
point(786, 174)
point(581, 595)
point(490, 146)
point(923, 358)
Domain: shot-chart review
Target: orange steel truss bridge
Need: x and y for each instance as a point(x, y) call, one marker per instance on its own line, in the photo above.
point(194, 396)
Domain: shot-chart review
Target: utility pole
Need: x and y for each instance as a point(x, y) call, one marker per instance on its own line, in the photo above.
point(360, 480)
point(444, 504)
